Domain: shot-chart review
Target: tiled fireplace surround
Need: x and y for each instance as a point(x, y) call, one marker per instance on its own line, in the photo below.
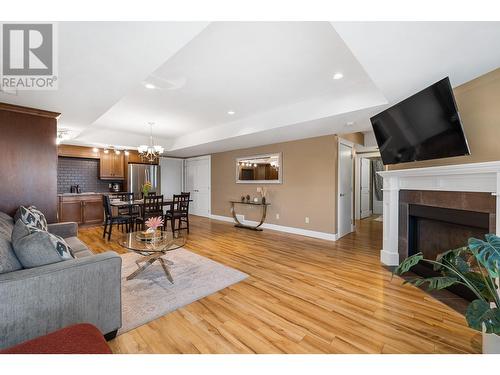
point(435, 221)
point(446, 203)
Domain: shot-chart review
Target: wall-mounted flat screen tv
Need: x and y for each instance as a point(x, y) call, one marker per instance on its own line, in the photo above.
point(424, 126)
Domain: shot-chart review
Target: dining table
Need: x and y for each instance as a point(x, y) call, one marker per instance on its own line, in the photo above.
point(138, 202)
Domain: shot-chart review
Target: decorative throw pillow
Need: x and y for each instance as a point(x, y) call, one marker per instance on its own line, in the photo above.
point(35, 247)
point(31, 216)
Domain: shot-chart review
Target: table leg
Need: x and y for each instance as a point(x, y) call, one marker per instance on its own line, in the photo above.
point(151, 259)
point(145, 258)
point(167, 271)
point(241, 225)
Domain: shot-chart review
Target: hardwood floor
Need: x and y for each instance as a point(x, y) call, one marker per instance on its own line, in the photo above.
point(302, 296)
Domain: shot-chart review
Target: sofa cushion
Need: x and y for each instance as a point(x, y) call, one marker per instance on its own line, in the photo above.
point(83, 254)
point(6, 226)
point(4, 216)
point(20, 230)
point(8, 259)
point(38, 247)
point(75, 244)
point(31, 216)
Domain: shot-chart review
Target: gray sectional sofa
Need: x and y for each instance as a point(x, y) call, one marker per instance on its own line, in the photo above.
point(37, 301)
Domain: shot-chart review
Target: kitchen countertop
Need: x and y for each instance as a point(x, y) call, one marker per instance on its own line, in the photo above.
point(86, 193)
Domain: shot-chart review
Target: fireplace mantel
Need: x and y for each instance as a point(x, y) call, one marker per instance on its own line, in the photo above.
point(473, 177)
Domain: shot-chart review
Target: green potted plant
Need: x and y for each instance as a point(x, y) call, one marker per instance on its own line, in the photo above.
point(477, 267)
point(146, 188)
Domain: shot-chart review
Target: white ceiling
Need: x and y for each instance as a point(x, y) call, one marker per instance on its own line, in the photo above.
point(271, 74)
point(276, 76)
point(100, 63)
point(404, 57)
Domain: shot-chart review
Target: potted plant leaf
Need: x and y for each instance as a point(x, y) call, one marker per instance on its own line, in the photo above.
point(146, 188)
point(477, 267)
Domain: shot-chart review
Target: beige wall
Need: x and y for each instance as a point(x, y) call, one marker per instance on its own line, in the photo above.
point(309, 185)
point(357, 137)
point(479, 106)
point(309, 170)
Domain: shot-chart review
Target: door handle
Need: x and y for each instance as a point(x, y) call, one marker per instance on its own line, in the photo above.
point(342, 194)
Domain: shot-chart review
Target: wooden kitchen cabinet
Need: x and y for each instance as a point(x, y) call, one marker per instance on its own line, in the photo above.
point(93, 211)
point(70, 211)
point(112, 166)
point(78, 152)
point(118, 166)
point(83, 209)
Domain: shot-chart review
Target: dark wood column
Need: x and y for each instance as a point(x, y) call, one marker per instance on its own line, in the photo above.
point(28, 159)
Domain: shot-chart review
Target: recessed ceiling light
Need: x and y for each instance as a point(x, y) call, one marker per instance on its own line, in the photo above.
point(149, 86)
point(230, 113)
point(338, 76)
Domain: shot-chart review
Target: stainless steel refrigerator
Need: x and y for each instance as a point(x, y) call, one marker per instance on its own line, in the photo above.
point(138, 174)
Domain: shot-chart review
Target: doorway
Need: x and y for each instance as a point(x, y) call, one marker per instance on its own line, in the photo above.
point(345, 188)
point(197, 182)
point(365, 188)
point(368, 185)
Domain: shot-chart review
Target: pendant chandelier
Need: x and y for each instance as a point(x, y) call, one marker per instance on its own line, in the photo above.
point(152, 152)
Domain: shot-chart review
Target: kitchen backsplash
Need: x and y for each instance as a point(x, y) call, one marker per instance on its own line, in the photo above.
point(83, 172)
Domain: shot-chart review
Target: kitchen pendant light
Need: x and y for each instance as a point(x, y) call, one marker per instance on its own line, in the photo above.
point(152, 152)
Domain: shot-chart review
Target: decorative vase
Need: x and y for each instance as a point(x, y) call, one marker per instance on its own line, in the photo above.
point(491, 343)
point(248, 198)
point(263, 200)
point(242, 198)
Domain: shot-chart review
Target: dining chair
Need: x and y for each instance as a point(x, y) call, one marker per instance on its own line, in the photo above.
point(109, 219)
point(149, 194)
point(179, 212)
point(152, 206)
point(132, 211)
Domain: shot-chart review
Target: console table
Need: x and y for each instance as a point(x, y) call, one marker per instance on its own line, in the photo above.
point(239, 224)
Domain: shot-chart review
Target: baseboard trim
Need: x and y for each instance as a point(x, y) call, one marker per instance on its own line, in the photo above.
point(281, 228)
point(389, 258)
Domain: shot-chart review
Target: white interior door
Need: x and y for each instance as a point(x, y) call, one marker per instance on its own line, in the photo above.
point(345, 190)
point(171, 176)
point(203, 186)
point(364, 199)
point(198, 184)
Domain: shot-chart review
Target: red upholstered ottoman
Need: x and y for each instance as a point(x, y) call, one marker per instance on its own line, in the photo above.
point(76, 339)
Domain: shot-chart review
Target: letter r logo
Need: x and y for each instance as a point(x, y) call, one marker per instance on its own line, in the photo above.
point(27, 49)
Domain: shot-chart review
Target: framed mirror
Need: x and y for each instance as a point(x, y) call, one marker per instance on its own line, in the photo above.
point(259, 169)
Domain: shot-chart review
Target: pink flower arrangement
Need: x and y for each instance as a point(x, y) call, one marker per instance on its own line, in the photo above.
point(154, 222)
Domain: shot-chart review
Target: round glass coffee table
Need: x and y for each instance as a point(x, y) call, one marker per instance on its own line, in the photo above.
point(152, 248)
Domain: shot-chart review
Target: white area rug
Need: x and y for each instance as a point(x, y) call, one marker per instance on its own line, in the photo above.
point(150, 295)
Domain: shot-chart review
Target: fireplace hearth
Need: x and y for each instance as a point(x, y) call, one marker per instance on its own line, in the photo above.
point(433, 222)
